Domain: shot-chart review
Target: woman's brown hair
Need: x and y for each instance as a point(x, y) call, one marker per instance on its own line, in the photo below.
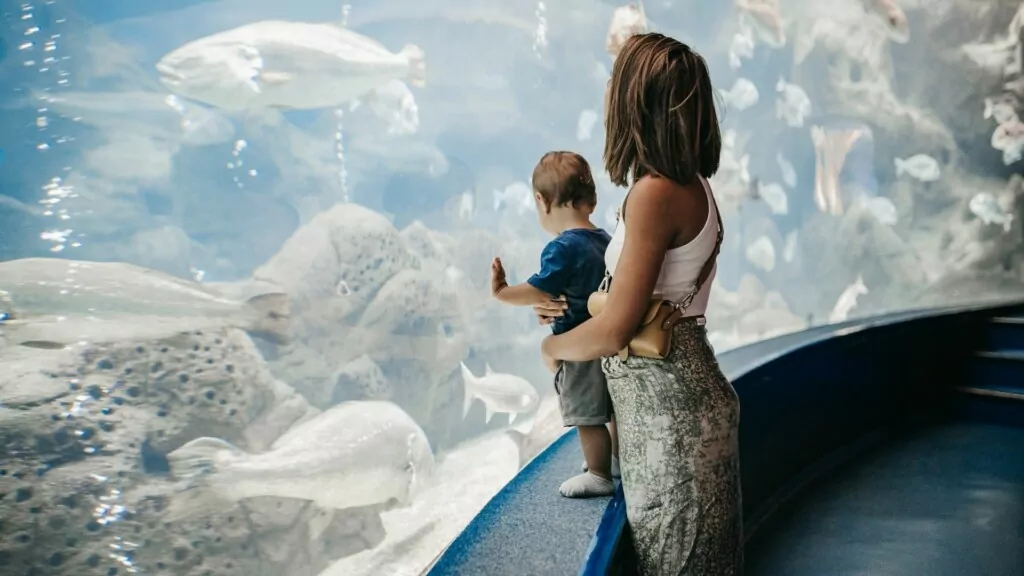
point(660, 118)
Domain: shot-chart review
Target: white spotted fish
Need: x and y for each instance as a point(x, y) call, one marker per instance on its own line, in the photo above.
point(789, 247)
point(882, 209)
point(741, 48)
point(517, 196)
point(761, 253)
point(585, 125)
point(792, 104)
point(1009, 139)
point(774, 196)
point(848, 300)
point(764, 18)
point(354, 454)
point(1001, 109)
point(920, 167)
point(288, 65)
point(985, 206)
point(499, 392)
point(626, 21)
point(52, 303)
point(742, 95)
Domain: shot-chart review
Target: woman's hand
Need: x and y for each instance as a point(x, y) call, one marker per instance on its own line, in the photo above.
point(549, 310)
point(552, 363)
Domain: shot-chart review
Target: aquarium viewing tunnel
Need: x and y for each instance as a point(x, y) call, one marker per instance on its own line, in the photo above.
point(246, 313)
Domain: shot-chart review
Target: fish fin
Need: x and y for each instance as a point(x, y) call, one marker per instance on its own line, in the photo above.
point(273, 316)
point(417, 65)
point(511, 418)
point(42, 345)
point(487, 369)
point(901, 166)
point(497, 200)
point(467, 384)
point(490, 414)
point(194, 503)
point(200, 457)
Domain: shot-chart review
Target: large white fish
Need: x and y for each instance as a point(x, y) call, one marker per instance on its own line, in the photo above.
point(985, 206)
point(499, 393)
point(547, 427)
point(920, 166)
point(354, 454)
point(51, 303)
point(280, 64)
point(742, 95)
point(160, 116)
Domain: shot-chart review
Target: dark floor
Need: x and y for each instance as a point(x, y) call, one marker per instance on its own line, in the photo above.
point(948, 500)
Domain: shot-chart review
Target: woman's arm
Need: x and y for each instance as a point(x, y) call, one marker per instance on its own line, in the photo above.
point(650, 230)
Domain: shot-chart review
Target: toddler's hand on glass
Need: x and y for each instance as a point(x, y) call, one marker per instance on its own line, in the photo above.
point(498, 282)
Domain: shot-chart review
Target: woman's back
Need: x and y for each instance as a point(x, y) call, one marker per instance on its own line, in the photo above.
point(682, 265)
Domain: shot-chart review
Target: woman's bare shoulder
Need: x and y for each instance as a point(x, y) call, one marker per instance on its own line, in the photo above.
point(683, 209)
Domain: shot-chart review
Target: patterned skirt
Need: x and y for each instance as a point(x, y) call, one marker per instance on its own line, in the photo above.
point(678, 421)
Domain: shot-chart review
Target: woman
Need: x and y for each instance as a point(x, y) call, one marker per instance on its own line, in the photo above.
point(678, 417)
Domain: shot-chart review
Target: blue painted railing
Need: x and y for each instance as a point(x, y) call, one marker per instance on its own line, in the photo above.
point(846, 387)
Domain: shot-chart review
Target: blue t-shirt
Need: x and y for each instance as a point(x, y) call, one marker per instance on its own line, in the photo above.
point(572, 264)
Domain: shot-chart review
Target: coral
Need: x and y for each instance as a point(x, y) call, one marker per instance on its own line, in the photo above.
point(83, 476)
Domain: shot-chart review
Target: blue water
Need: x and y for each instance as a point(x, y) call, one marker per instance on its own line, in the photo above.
point(373, 234)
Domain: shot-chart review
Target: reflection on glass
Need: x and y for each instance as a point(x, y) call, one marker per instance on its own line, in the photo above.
point(244, 246)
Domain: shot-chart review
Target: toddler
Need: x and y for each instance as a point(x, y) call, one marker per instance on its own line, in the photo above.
point(571, 269)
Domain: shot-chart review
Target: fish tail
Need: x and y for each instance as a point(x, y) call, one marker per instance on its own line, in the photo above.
point(467, 385)
point(518, 438)
point(273, 316)
point(901, 166)
point(201, 457)
point(417, 65)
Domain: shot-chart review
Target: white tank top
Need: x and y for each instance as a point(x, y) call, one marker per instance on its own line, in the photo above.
point(682, 265)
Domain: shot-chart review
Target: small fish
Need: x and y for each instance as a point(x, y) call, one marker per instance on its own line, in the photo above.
point(517, 195)
point(547, 427)
point(64, 302)
point(354, 454)
point(1009, 138)
point(893, 17)
point(585, 125)
point(499, 393)
point(763, 17)
point(761, 253)
point(742, 95)
point(395, 104)
point(882, 209)
point(1002, 109)
point(920, 166)
point(742, 48)
point(792, 104)
point(466, 202)
point(786, 169)
point(789, 247)
point(626, 21)
point(848, 300)
point(774, 196)
point(286, 65)
point(985, 206)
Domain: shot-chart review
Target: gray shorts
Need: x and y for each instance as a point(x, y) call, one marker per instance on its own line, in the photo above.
point(583, 394)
